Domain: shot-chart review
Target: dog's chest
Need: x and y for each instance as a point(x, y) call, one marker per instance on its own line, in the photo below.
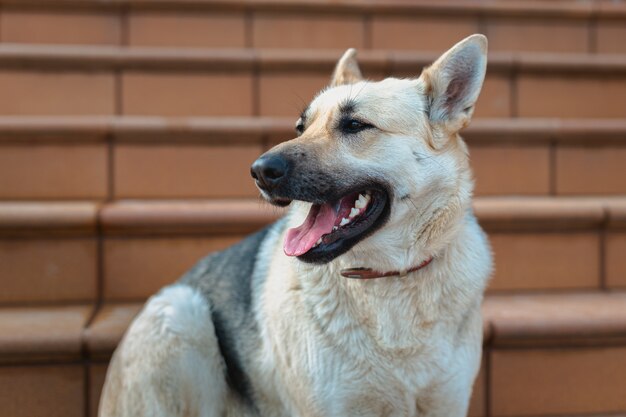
point(316, 378)
point(321, 364)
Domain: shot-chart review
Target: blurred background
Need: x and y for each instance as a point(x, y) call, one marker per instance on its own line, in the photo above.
point(127, 128)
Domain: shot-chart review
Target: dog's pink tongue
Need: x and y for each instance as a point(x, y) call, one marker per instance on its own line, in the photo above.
point(320, 221)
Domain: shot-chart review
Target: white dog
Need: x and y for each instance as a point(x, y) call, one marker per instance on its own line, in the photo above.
point(364, 300)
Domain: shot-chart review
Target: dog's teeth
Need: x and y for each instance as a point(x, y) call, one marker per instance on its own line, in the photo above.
point(361, 202)
point(354, 212)
point(318, 241)
point(335, 228)
point(344, 221)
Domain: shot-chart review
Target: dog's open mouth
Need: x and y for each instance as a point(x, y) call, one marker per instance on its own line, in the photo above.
point(332, 228)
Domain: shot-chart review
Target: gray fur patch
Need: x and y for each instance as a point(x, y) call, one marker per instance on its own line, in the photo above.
point(226, 279)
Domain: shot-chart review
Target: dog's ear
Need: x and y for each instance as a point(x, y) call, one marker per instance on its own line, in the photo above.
point(347, 70)
point(454, 81)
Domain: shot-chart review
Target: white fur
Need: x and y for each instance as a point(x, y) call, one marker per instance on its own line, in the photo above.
point(167, 360)
point(401, 347)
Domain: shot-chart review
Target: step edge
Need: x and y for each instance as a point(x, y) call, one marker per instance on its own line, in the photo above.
point(216, 216)
point(107, 58)
point(255, 130)
point(571, 10)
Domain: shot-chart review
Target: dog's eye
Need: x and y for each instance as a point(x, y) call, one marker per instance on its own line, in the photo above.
point(353, 126)
point(300, 128)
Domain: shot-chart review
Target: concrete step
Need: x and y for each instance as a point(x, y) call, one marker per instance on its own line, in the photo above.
point(560, 355)
point(125, 157)
point(43, 366)
point(125, 251)
point(551, 26)
point(544, 354)
point(73, 80)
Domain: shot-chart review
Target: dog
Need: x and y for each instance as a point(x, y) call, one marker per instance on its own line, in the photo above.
point(364, 299)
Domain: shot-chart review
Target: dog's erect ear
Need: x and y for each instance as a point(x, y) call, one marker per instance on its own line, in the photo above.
point(347, 70)
point(454, 81)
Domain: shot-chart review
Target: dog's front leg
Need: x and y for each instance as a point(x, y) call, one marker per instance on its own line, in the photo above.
point(168, 364)
point(450, 395)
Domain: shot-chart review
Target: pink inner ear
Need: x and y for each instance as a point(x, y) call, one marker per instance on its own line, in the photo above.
point(457, 88)
point(461, 71)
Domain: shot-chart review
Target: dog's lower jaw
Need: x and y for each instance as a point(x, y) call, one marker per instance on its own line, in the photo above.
point(403, 244)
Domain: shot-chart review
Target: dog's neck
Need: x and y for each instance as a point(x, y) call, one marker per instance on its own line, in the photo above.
point(390, 313)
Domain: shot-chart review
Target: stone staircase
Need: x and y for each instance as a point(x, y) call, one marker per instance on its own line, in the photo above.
point(127, 128)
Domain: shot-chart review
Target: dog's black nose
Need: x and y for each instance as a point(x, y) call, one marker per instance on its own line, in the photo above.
point(269, 171)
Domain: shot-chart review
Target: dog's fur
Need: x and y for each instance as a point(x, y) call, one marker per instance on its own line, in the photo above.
point(252, 332)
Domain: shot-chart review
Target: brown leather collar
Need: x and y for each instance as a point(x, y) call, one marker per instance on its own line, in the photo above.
point(368, 273)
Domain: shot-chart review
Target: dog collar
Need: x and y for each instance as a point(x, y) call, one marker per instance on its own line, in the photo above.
point(369, 273)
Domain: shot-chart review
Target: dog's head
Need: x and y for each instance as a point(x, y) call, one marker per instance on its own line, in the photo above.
point(378, 167)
